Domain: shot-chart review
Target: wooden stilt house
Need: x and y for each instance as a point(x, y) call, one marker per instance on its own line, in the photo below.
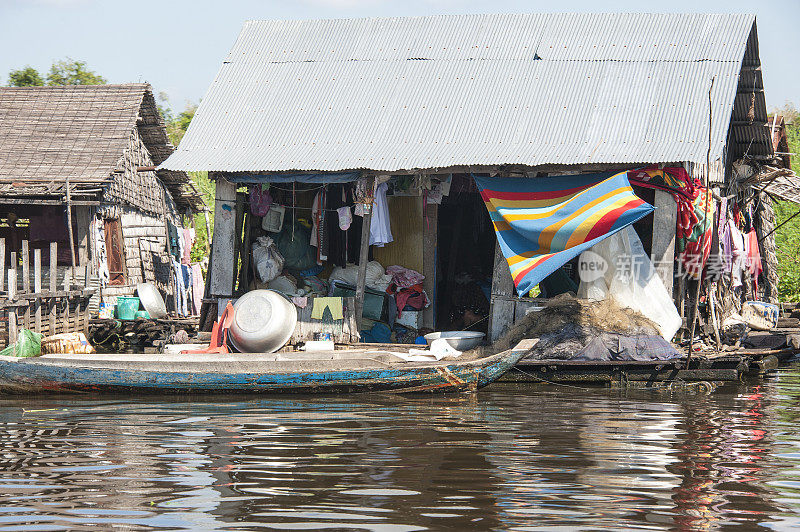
point(427, 104)
point(78, 167)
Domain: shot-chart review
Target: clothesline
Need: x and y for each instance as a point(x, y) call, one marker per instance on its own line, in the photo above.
point(303, 208)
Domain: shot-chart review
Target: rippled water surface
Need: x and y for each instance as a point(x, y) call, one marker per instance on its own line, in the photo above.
point(507, 458)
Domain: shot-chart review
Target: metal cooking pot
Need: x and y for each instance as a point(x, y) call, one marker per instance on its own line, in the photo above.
point(151, 300)
point(263, 321)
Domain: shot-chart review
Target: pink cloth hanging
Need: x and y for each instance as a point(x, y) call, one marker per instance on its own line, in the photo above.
point(198, 287)
point(188, 241)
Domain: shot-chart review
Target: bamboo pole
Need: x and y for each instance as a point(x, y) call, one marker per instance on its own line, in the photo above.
point(12, 296)
point(26, 282)
point(363, 257)
point(37, 288)
point(703, 234)
point(71, 236)
point(53, 286)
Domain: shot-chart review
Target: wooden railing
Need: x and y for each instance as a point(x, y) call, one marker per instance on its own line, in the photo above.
point(47, 311)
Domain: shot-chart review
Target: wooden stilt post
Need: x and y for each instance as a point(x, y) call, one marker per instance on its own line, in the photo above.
point(363, 258)
point(208, 230)
point(12, 296)
point(52, 301)
point(2, 264)
point(71, 238)
point(37, 288)
point(26, 282)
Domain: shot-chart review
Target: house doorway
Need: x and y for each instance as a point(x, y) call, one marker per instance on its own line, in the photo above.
point(465, 259)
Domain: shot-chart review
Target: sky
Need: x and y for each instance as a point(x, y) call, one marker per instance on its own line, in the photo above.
point(178, 45)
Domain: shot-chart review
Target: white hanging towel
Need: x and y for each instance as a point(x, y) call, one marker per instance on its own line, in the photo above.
point(380, 231)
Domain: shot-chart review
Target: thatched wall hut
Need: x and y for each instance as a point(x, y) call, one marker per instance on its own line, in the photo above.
point(88, 154)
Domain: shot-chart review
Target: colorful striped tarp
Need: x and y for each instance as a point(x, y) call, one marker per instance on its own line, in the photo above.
point(544, 222)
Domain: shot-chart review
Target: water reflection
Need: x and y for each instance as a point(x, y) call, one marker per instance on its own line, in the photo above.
point(510, 458)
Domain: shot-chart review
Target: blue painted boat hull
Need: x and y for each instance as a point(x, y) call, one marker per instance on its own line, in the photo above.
point(76, 375)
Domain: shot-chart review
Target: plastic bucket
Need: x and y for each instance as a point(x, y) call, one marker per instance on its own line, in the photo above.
point(127, 307)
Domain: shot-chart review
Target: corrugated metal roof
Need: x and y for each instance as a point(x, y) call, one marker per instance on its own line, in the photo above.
point(432, 92)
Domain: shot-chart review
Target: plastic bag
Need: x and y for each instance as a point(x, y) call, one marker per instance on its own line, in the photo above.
point(623, 271)
point(29, 344)
point(267, 261)
point(376, 277)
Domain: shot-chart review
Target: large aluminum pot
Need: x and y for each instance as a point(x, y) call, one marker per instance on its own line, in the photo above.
point(263, 321)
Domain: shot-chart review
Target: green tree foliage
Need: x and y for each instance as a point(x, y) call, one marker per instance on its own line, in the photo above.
point(788, 235)
point(65, 72)
point(177, 124)
point(25, 77)
point(72, 72)
point(207, 189)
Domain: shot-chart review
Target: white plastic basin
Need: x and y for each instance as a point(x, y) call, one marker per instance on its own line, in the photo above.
point(460, 340)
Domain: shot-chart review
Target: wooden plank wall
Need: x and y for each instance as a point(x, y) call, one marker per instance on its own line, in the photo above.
point(24, 303)
point(502, 303)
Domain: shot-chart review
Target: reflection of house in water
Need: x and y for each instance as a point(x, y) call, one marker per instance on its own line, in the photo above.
point(694, 464)
point(367, 462)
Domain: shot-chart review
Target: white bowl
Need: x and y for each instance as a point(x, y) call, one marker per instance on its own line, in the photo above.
point(460, 340)
point(263, 321)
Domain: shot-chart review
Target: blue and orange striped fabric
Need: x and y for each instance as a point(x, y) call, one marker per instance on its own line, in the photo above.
point(544, 222)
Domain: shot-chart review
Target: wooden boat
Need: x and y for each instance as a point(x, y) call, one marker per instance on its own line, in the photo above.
point(348, 370)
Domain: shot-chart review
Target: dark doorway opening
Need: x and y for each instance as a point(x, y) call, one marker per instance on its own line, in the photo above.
point(465, 259)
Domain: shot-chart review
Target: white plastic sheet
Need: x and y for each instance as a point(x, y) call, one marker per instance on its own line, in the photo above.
point(618, 268)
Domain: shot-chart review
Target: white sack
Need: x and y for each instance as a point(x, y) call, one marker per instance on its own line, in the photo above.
point(377, 279)
point(627, 275)
point(267, 261)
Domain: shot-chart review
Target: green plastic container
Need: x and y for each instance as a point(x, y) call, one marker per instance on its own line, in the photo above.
point(127, 307)
point(142, 314)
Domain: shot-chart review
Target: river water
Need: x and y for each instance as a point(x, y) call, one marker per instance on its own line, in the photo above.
point(508, 458)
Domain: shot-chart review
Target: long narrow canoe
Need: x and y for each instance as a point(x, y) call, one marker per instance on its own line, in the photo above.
point(345, 371)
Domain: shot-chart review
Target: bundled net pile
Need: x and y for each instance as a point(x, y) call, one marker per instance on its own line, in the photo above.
point(570, 328)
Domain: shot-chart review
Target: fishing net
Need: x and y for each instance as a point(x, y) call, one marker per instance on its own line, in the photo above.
point(569, 328)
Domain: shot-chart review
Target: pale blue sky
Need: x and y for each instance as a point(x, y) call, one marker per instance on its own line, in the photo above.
point(177, 45)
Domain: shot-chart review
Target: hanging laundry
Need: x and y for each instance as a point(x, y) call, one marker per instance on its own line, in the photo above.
point(726, 246)
point(188, 242)
point(695, 212)
point(197, 288)
point(97, 230)
point(260, 200)
point(319, 233)
point(543, 223)
point(333, 304)
point(345, 217)
point(173, 243)
point(754, 266)
point(180, 288)
point(344, 233)
point(380, 231)
point(738, 255)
